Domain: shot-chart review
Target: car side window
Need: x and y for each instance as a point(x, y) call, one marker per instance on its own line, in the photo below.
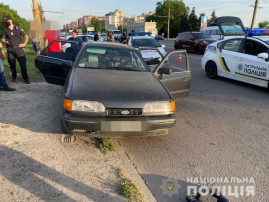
point(208, 32)
point(254, 48)
point(232, 45)
point(188, 36)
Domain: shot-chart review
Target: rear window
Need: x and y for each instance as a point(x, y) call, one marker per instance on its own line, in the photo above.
point(150, 42)
point(232, 28)
point(201, 36)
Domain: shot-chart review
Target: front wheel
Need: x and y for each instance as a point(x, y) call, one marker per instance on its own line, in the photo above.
point(211, 70)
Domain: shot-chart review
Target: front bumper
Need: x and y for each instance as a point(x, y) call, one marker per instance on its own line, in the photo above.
point(117, 127)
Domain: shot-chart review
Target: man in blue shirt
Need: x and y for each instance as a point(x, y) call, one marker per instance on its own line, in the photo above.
point(77, 39)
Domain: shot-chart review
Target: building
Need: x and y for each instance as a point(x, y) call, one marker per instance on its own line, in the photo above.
point(74, 25)
point(114, 19)
point(80, 22)
point(143, 27)
point(102, 20)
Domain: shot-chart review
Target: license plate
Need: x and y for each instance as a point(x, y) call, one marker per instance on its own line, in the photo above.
point(121, 126)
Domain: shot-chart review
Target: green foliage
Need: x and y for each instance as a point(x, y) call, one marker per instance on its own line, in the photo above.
point(122, 28)
point(181, 19)
point(213, 17)
point(106, 145)
point(5, 10)
point(129, 189)
point(264, 24)
point(96, 24)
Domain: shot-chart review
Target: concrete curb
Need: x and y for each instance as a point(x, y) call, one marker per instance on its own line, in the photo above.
point(132, 173)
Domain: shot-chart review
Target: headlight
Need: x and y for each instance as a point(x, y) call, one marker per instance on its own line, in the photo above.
point(205, 42)
point(84, 106)
point(159, 108)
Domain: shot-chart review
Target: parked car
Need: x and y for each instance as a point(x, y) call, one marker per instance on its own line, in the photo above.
point(103, 36)
point(193, 41)
point(110, 92)
point(147, 41)
point(241, 58)
point(214, 32)
point(159, 37)
point(85, 38)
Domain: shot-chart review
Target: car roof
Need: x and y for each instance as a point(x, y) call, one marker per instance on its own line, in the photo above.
point(110, 45)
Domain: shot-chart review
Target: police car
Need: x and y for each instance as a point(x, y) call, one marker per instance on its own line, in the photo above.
point(244, 58)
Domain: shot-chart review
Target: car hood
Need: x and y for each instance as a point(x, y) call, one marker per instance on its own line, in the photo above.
point(117, 89)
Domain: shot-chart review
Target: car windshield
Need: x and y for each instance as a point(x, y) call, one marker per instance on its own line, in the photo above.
point(111, 59)
point(150, 42)
point(201, 36)
point(116, 32)
point(231, 28)
point(88, 38)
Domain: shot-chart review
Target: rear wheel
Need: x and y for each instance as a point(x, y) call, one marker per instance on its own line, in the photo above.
point(198, 49)
point(211, 70)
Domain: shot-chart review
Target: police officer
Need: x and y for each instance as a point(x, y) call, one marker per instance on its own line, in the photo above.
point(12, 38)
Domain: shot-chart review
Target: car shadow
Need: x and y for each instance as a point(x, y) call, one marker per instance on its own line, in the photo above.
point(34, 176)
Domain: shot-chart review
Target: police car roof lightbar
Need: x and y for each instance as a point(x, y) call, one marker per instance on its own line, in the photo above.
point(141, 34)
point(258, 32)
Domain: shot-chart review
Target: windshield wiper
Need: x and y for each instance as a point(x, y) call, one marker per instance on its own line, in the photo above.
point(124, 69)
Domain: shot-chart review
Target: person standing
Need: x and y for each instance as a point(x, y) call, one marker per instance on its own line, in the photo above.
point(77, 39)
point(110, 37)
point(3, 83)
point(123, 38)
point(12, 38)
point(96, 36)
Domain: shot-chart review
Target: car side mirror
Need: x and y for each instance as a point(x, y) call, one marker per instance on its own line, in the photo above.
point(264, 56)
point(192, 39)
point(68, 64)
point(153, 61)
point(163, 46)
point(162, 71)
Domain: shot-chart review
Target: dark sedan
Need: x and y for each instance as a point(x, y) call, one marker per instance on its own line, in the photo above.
point(110, 92)
point(159, 37)
point(194, 41)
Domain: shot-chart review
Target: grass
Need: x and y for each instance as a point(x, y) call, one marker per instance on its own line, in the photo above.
point(33, 73)
point(105, 145)
point(129, 189)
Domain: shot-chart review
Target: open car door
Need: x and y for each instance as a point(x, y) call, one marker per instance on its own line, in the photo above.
point(230, 26)
point(175, 73)
point(54, 62)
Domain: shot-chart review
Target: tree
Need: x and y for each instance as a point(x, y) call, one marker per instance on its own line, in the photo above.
point(96, 24)
point(5, 10)
point(213, 17)
point(264, 24)
point(193, 21)
point(184, 24)
point(177, 9)
point(122, 28)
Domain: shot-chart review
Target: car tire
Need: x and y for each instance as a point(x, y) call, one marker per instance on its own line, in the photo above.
point(176, 46)
point(211, 70)
point(198, 49)
point(64, 131)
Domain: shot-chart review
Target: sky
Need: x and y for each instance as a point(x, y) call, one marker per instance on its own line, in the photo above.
point(74, 9)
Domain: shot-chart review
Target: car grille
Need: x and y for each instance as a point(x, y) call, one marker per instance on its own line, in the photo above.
point(124, 112)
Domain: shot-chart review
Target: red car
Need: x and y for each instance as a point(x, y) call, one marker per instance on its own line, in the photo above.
point(194, 41)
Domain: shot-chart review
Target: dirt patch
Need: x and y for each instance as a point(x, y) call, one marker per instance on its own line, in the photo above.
point(35, 165)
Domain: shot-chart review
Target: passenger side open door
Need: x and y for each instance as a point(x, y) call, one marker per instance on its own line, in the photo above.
point(175, 75)
point(54, 62)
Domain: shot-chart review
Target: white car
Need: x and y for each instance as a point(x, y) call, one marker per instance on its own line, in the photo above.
point(242, 58)
point(149, 42)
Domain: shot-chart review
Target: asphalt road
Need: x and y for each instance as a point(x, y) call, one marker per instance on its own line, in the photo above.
point(222, 131)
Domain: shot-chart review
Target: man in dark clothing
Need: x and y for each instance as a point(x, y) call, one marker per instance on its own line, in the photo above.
point(96, 36)
point(123, 38)
point(77, 39)
point(12, 38)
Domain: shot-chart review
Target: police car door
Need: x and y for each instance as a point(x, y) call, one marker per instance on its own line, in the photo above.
point(227, 56)
point(250, 68)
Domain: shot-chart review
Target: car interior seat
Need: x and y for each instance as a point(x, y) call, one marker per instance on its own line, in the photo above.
point(92, 61)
